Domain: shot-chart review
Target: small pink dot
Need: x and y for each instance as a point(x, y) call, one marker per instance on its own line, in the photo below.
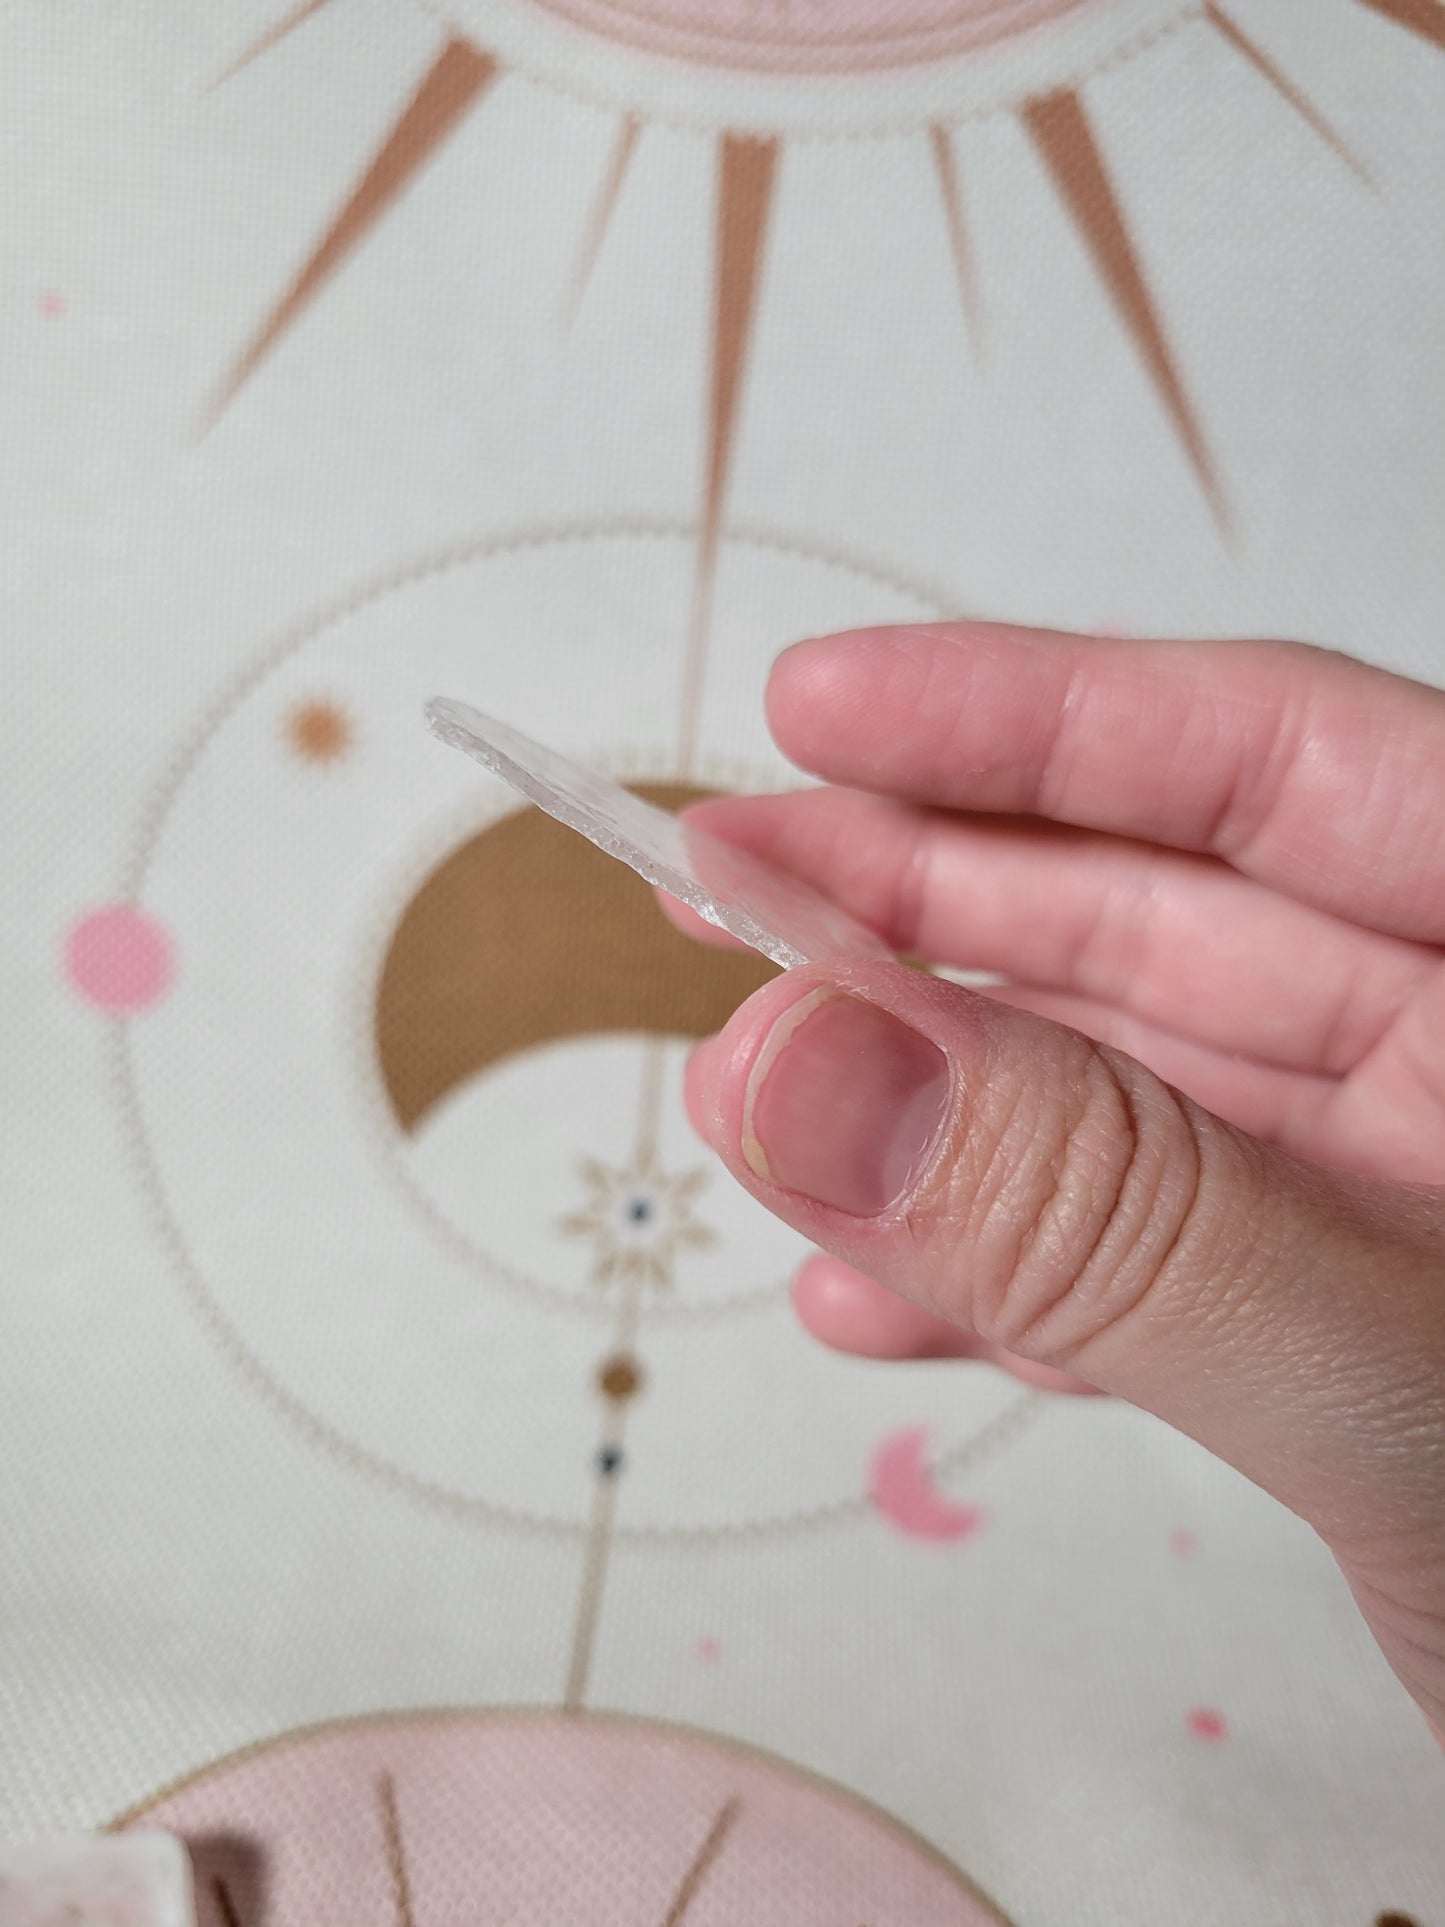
point(1205, 1723)
point(119, 958)
point(708, 1650)
point(1183, 1544)
point(52, 305)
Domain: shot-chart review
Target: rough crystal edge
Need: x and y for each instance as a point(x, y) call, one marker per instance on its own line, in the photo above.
point(446, 724)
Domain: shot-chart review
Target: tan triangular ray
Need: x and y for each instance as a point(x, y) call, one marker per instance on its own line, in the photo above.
point(1424, 17)
point(747, 172)
point(600, 217)
point(1285, 88)
point(268, 38)
point(945, 161)
point(1059, 127)
point(450, 87)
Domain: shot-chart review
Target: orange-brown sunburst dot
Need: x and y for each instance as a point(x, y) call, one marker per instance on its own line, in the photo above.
point(319, 732)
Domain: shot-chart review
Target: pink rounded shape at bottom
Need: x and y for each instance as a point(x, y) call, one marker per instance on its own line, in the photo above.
point(544, 1817)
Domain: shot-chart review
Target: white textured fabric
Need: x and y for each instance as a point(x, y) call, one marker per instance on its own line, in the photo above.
point(303, 1321)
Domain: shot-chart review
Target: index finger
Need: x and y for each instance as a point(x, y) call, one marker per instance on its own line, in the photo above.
point(1307, 770)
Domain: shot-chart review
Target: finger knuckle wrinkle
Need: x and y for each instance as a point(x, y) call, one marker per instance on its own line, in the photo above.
point(1104, 1218)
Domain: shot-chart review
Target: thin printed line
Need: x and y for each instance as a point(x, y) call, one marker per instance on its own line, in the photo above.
point(1292, 96)
point(703, 1859)
point(269, 37)
point(747, 169)
point(395, 1851)
point(649, 1107)
point(600, 219)
point(601, 1526)
point(594, 1580)
point(945, 162)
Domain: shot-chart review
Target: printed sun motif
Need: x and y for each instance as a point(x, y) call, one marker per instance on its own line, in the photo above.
point(637, 1218)
point(1058, 117)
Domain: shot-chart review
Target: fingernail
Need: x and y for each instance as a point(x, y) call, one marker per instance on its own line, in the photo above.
point(845, 1104)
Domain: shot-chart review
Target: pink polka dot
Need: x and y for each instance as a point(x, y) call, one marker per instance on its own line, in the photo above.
point(119, 958)
point(52, 305)
point(1183, 1543)
point(708, 1650)
point(1206, 1723)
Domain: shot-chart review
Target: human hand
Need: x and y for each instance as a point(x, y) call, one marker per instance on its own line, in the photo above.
point(1192, 1152)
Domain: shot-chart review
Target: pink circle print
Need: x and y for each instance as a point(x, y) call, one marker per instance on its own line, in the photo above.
point(811, 36)
point(119, 959)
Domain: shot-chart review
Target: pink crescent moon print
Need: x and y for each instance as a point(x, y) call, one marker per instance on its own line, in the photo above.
point(901, 1486)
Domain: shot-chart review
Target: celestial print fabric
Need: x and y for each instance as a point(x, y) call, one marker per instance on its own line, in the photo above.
point(418, 1494)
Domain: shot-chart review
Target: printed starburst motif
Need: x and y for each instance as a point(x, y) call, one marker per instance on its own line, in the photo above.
point(637, 1218)
point(1059, 122)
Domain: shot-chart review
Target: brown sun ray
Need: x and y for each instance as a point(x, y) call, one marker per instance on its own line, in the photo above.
point(600, 217)
point(945, 161)
point(1059, 127)
point(1286, 89)
point(451, 86)
point(747, 174)
point(268, 37)
point(1423, 17)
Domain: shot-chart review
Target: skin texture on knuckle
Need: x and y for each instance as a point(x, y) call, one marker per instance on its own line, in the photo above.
point(1090, 1195)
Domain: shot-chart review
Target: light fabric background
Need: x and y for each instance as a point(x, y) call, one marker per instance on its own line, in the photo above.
point(328, 1093)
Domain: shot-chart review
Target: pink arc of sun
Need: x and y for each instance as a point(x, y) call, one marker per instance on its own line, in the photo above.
point(900, 1484)
point(119, 958)
point(854, 36)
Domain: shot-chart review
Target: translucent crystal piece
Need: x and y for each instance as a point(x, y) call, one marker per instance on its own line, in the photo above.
point(776, 914)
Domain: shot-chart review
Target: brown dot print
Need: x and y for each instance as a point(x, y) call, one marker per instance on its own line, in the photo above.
point(318, 732)
point(619, 1378)
point(527, 935)
point(1395, 1920)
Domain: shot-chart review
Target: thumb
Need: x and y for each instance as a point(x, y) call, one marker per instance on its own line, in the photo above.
point(1056, 1198)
